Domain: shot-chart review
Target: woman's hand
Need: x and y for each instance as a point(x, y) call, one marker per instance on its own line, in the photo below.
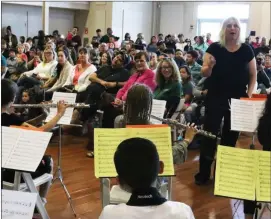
point(118, 102)
point(61, 108)
point(110, 84)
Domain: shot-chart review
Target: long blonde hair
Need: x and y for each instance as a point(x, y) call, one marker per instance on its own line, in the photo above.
point(222, 33)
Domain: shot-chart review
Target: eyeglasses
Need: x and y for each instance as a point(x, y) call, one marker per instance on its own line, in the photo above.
point(139, 61)
point(166, 67)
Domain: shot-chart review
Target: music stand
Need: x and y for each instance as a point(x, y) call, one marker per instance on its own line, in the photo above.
point(58, 173)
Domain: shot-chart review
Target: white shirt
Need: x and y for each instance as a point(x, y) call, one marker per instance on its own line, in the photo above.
point(169, 209)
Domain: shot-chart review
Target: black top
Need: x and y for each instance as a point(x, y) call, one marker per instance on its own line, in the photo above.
point(11, 119)
point(230, 74)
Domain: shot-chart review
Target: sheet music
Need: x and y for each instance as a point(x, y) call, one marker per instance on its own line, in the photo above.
point(245, 114)
point(107, 141)
point(18, 205)
point(67, 97)
point(235, 173)
point(27, 151)
point(158, 109)
point(263, 191)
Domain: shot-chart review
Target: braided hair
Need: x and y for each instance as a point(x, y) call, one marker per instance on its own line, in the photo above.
point(138, 106)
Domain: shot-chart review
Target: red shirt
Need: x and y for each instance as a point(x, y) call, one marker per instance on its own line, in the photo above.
point(23, 56)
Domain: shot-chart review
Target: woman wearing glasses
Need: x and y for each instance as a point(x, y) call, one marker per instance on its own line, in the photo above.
point(169, 87)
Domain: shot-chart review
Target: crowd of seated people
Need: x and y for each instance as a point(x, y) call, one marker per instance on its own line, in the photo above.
point(103, 72)
point(116, 77)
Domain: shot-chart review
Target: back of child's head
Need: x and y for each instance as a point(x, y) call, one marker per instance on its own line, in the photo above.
point(137, 163)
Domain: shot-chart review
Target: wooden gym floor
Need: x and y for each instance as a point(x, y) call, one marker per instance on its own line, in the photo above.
point(84, 188)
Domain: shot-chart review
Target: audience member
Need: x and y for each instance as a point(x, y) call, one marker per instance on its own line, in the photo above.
point(12, 61)
point(3, 66)
point(179, 58)
point(20, 52)
point(160, 38)
point(10, 38)
point(78, 80)
point(152, 47)
point(208, 39)
point(187, 86)
point(4, 49)
point(263, 48)
point(181, 44)
point(168, 85)
point(153, 61)
point(201, 45)
point(76, 41)
point(195, 68)
point(98, 34)
point(143, 75)
point(105, 38)
point(41, 40)
point(256, 44)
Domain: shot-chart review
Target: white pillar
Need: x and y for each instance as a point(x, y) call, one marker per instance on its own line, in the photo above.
point(45, 17)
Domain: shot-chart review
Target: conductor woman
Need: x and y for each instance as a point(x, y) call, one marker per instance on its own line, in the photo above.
point(231, 68)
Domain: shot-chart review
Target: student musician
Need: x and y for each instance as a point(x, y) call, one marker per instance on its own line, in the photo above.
point(264, 133)
point(139, 114)
point(140, 157)
point(8, 118)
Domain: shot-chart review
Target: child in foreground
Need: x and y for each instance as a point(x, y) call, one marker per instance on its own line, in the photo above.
point(137, 164)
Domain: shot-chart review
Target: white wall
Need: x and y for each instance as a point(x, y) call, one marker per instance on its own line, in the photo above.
point(176, 17)
point(171, 19)
point(260, 19)
point(24, 20)
point(132, 17)
point(61, 20)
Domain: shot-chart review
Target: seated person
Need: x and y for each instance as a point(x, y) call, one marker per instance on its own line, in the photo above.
point(196, 111)
point(63, 70)
point(33, 59)
point(169, 86)
point(153, 61)
point(3, 66)
point(264, 133)
point(78, 80)
point(187, 86)
point(107, 79)
point(267, 64)
point(195, 68)
point(8, 118)
point(179, 58)
point(137, 111)
point(106, 59)
point(27, 114)
point(43, 72)
point(143, 75)
point(12, 62)
point(140, 157)
point(262, 78)
point(21, 53)
point(20, 69)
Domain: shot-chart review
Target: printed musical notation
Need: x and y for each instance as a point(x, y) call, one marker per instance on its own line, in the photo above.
point(23, 149)
point(239, 172)
point(107, 140)
point(18, 205)
point(158, 110)
point(263, 190)
point(67, 97)
point(245, 114)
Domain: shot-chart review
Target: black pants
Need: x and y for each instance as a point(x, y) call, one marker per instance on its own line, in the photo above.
point(214, 116)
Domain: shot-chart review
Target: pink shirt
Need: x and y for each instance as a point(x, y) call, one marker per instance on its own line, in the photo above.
point(147, 78)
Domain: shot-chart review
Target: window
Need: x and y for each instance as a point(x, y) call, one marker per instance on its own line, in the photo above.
point(211, 17)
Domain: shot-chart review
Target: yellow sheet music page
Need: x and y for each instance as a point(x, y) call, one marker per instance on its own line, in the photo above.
point(106, 142)
point(235, 173)
point(263, 192)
